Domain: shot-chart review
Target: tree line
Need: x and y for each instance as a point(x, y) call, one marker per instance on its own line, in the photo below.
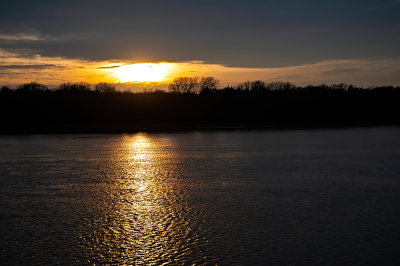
point(193, 103)
point(101, 87)
point(205, 85)
point(193, 85)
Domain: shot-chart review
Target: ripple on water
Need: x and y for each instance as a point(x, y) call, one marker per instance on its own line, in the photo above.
point(282, 197)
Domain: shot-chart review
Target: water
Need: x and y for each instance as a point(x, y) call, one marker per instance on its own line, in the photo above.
point(242, 197)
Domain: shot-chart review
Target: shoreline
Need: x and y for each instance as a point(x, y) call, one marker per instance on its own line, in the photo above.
point(132, 129)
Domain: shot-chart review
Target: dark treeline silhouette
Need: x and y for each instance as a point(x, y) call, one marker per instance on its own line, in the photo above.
point(193, 103)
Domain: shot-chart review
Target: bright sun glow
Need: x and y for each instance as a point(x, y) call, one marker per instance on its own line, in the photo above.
point(143, 72)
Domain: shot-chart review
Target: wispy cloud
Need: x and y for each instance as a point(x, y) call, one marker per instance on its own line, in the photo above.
point(17, 68)
point(341, 70)
point(109, 67)
point(363, 72)
point(36, 66)
point(22, 37)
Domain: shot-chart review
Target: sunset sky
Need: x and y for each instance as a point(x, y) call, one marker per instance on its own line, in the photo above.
point(148, 43)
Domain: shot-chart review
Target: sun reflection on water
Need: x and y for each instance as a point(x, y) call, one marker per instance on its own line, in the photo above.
point(148, 224)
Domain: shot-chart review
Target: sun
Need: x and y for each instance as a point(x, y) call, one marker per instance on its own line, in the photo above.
point(142, 72)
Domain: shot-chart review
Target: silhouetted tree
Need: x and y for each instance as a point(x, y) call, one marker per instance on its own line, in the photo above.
point(32, 86)
point(73, 107)
point(5, 89)
point(208, 84)
point(228, 89)
point(184, 85)
point(245, 86)
point(258, 86)
point(279, 85)
point(104, 87)
point(340, 86)
point(75, 87)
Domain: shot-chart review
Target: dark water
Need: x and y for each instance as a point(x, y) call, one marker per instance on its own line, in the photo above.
point(246, 197)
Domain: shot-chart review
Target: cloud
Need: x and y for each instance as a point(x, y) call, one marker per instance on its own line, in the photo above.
point(22, 37)
point(17, 68)
point(362, 72)
point(341, 71)
point(39, 66)
point(228, 32)
point(109, 67)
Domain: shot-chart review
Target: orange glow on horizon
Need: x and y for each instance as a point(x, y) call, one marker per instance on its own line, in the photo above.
point(19, 68)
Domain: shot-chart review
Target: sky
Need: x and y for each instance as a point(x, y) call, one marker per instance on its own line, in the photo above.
point(304, 42)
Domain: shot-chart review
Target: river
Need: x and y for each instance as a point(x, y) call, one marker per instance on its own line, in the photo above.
point(306, 197)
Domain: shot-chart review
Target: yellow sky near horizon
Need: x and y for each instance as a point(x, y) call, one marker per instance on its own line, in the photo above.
point(17, 69)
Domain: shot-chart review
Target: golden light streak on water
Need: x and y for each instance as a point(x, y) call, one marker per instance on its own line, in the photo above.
point(147, 221)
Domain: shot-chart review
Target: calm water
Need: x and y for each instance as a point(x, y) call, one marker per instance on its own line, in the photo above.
point(245, 197)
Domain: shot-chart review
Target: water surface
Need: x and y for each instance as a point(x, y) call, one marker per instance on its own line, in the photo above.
point(305, 197)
